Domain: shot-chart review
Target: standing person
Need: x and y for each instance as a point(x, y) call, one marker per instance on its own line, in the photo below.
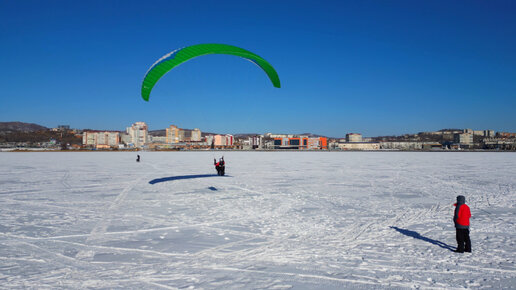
point(461, 220)
point(219, 166)
point(216, 166)
point(137, 158)
point(222, 166)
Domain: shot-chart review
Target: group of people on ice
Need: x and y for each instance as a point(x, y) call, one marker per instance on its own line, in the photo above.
point(461, 215)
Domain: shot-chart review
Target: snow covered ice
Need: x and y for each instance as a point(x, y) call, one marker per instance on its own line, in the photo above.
point(302, 220)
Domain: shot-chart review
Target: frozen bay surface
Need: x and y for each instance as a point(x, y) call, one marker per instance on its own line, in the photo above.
point(301, 220)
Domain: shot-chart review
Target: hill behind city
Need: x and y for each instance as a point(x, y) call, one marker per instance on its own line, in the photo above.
point(20, 127)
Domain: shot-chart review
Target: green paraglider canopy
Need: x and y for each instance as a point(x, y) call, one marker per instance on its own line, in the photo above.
point(177, 57)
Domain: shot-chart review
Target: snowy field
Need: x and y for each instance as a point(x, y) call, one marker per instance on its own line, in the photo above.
point(301, 220)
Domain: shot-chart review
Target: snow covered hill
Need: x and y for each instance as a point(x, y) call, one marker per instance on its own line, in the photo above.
point(302, 220)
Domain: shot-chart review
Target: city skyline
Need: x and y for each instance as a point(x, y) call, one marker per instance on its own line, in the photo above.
point(20, 136)
point(371, 67)
point(280, 132)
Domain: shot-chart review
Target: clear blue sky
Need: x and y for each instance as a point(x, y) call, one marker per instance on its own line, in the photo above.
point(373, 67)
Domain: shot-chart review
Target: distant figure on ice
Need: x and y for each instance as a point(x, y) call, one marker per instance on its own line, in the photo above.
point(461, 220)
point(137, 158)
point(220, 166)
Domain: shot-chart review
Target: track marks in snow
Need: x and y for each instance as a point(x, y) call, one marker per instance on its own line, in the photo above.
point(101, 227)
point(275, 228)
point(52, 256)
point(64, 180)
point(341, 282)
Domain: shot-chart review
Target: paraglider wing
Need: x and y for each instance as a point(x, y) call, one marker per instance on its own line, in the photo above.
point(177, 57)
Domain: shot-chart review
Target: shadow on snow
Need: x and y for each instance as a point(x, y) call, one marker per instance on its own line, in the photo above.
point(416, 235)
point(172, 178)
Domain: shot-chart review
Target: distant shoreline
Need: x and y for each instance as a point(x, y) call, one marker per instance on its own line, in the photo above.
point(272, 151)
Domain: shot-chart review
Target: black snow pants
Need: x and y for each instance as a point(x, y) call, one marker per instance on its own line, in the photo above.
point(463, 241)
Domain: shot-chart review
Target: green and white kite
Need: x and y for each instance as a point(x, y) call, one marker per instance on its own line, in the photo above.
point(177, 57)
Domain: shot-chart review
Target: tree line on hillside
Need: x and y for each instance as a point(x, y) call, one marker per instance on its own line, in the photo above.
point(41, 136)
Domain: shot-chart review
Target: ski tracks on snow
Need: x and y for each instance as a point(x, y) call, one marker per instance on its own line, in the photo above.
point(101, 227)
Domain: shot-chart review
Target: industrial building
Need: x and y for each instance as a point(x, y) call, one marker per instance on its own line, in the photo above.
point(359, 146)
point(302, 143)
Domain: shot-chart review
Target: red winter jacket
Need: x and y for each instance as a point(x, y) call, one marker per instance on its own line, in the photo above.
point(462, 216)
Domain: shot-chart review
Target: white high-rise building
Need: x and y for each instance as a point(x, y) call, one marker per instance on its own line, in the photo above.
point(139, 134)
point(464, 138)
point(489, 133)
point(256, 142)
point(196, 135)
point(100, 139)
point(353, 137)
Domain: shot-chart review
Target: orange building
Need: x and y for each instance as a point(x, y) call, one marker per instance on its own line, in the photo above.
point(506, 135)
point(223, 140)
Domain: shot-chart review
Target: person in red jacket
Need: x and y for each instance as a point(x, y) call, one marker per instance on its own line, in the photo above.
point(461, 220)
point(220, 166)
